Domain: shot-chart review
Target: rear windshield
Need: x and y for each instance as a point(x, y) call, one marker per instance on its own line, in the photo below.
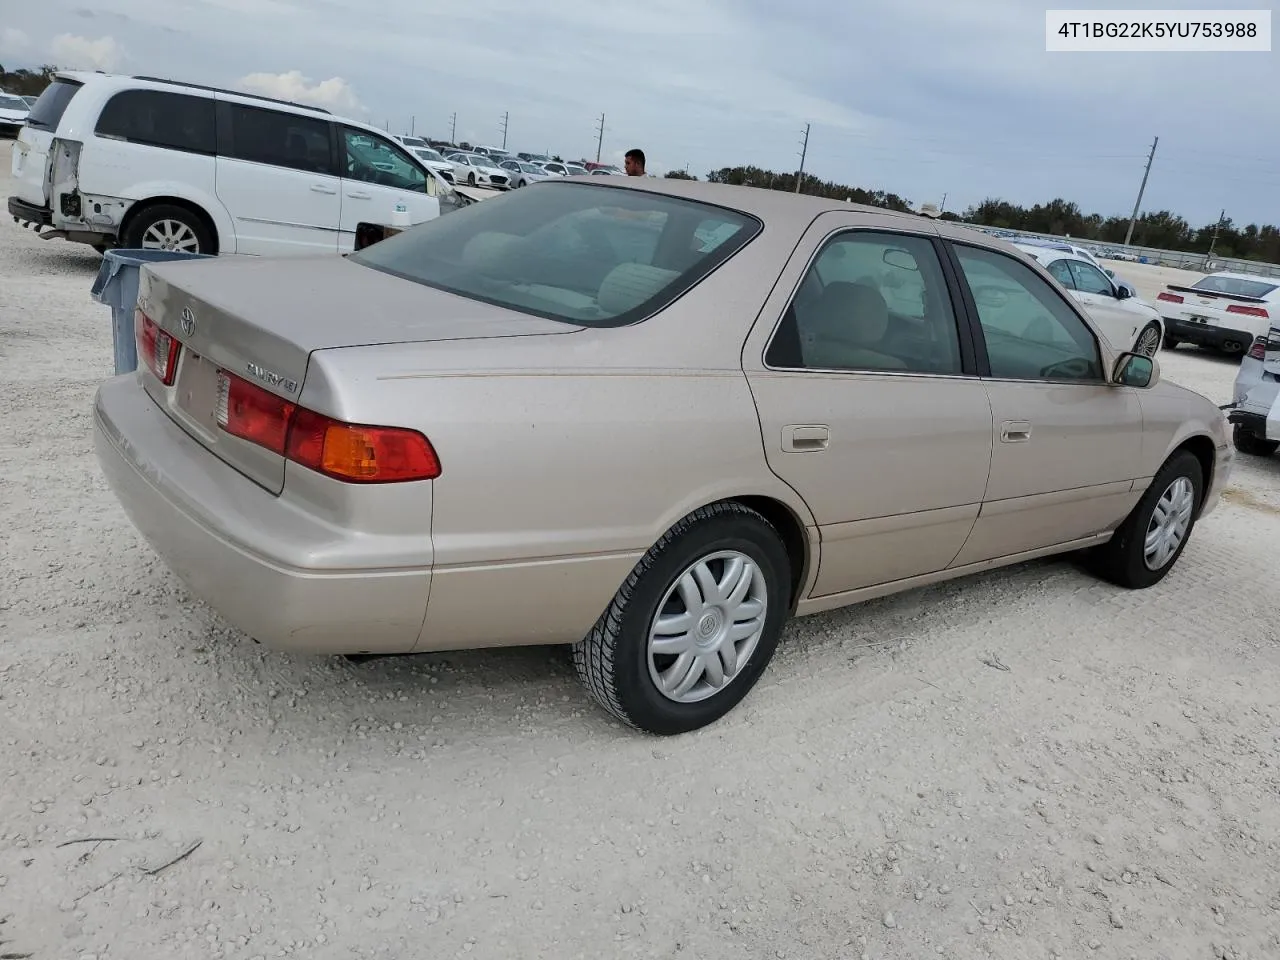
point(52, 103)
point(1234, 286)
point(585, 254)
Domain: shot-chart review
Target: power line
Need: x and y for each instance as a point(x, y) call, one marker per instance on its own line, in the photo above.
point(600, 138)
point(804, 149)
point(1133, 220)
point(505, 117)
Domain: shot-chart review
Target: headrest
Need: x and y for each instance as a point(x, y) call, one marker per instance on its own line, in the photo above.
point(628, 285)
point(852, 312)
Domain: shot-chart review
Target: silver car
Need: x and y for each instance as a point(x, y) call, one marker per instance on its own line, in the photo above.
point(1254, 411)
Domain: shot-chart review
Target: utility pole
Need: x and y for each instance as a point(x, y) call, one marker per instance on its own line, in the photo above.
point(1133, 220)
point(453, 127)
point(413, 125)
point(600, 138)
point(943, 205)
point(804, 149)
point(505, 117)
point(1212, 243)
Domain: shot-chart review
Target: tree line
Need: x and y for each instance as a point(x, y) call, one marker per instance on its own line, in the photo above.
point(26, 83)
point(1162, 229)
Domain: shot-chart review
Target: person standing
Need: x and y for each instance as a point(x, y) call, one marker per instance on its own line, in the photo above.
point(634, 162)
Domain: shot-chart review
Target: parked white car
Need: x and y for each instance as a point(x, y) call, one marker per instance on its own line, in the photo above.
point(137, 162)
point(1129, 322)
point(556, 167)
point(434, 161)
point(1066, 246)
point(524, 173)
point(1226, 311)
point(477, 170)
point(13, 114)
point(1254, 411)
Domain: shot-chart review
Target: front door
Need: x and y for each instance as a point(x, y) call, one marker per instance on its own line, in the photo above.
point(868, 403)
point(1068, 443)
point(1119, 320)
point(275, 176)
point(377, 174)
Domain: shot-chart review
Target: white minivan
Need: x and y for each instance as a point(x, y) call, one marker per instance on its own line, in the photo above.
point(116, 161)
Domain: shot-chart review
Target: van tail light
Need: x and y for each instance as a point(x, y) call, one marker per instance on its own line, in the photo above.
point(354, 453)
point(1248, 311)
point(1168, 297)
point(156, 347)
point(1259, 349)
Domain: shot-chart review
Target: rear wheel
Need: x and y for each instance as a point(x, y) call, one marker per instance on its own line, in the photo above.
point(694, 626)
point(1148, 342)
point(1147, 545)
point(1248, 442)
point(169, 227)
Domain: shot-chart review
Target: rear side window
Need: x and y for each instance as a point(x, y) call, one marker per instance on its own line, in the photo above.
point(52, 104)
point(156, 118)
point(279, 139)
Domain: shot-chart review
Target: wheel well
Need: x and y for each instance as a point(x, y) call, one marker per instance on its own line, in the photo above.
point(793, 537)
point(1202, 449)
point(138, 208)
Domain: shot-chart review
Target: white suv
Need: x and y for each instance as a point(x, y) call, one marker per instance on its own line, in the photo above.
point(116, 161)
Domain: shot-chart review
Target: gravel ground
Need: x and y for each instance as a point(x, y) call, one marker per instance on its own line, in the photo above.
point(884, 793)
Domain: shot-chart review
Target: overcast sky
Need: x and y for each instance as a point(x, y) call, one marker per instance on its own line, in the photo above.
point(919, 97)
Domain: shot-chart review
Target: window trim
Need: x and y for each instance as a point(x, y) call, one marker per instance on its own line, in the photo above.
point(969, 356)
point(227, 142)
point(980, 337)
point(1066, 260)
point(147, 91)
point(1073, 265)
point(413, 162)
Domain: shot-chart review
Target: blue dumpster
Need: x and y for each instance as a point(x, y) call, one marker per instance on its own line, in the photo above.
point(117, 286)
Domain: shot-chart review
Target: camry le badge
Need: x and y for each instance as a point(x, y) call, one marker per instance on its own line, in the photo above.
point(188, 321)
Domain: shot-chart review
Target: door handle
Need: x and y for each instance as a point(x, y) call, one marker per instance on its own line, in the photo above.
point(323, 188)
point(360, 196)
point(1015, 431)
point(805, 438)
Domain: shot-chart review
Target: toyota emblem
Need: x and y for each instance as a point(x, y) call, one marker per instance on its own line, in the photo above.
point(188, 321)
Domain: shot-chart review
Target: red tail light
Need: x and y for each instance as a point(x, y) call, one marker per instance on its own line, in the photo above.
point(355, 453)
point(1169, 297)
point(1259, 349)
point(157, 349)
point(1248, 311)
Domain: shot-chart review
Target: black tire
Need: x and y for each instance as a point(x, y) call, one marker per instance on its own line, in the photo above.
point(1149, 328)
point(150, 216)
point(471, 179)
point(1246, 441)
point(1121, 560)
point(612, 661)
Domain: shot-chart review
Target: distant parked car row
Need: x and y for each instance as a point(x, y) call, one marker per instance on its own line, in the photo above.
point(13, 113)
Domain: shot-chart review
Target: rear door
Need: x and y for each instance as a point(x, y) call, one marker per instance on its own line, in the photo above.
point(868, 400)
point(377, 174)
point(29, 167)
point(276, 176)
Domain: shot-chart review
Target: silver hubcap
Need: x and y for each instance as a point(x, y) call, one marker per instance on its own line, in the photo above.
point(170, 235)
point(1169, 523)
point(708, 625)
point(1148, 342)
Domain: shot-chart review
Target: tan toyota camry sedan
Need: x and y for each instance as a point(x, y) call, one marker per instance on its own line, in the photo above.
point(649, 418)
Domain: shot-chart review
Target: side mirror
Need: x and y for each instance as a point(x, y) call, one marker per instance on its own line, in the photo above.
point(1135, 370)
point(1122, 293)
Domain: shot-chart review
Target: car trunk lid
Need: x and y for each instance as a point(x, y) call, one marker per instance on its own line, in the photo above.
point(260, 320)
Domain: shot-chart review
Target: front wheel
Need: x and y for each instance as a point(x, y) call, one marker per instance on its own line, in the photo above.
point(1148, 342)
point(1248, 442)
point(1147, 545)
point(695, 624)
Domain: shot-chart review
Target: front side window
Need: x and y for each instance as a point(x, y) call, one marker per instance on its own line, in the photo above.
point(576, 252)
point(1090, 279)
point(371, 159)
point(871, 301)
point(157, 118)
point(1031, 332)
point(279, 139)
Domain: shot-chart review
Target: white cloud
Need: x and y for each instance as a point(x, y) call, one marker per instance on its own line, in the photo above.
point(80, 53)
point(13, 42)
point(334, 93)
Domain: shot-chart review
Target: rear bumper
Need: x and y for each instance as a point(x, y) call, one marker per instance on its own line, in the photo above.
point(30, 212)
point(1206, 335)
point(244, 551)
